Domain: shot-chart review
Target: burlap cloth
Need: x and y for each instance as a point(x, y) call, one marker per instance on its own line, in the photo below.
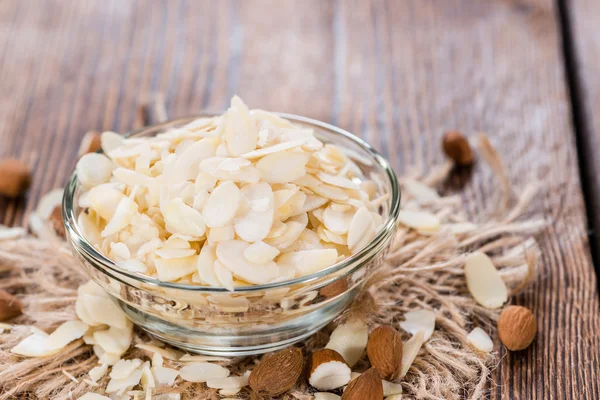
point(420, 271)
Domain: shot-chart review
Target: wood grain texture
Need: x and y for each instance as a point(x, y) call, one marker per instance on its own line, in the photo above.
point(398, 73)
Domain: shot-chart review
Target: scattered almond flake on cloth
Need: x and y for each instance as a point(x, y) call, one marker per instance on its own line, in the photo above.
point(422, 284)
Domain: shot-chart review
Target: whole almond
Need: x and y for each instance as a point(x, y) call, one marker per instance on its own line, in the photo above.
point(15, 177)
point(10, 306)
point(367, 386)
point(457, 148)
point(516, 327)
point(384, 349)
point(277, 373)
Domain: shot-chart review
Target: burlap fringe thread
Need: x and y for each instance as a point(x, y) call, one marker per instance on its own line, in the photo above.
point(420, 271)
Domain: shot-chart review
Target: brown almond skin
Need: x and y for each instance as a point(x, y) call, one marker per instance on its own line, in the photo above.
point(457, 148)
point(367, 386)
point(322, 356)
point(384, 349)
point(277, 373)
point(15, 178)
point(90, 143)
point(57, 221)
point(517, 327)
point(334, 289)
point(10, 306)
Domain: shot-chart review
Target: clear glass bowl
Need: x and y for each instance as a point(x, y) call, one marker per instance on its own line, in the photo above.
point(252, 319)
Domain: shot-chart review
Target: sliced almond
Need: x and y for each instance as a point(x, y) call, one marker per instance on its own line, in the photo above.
point(241, 131)
point(124, 368)
point(202, 372)
point(484, 281)
point(336, 221)
point(205, 266)
point(222, 205)
point(480, 340)
point(410, 350)
point(124, 212)
point(420, 220)
point(282, 167)
point(231, 254)
point(339, 181)
point(98, 372)
point(328, 370)
point(256, 223)
point(306, 262)
point(224, 276)
point(94, 169)
point(183, 219)
point(350, 340)
point(419, 191)
point(125, 384)
point(165, 376)
point(326, 396)
point(419, 320)
point(260, 253)
point(170, 270)
point(360, 231)
point(275, 149)
point(230, 382)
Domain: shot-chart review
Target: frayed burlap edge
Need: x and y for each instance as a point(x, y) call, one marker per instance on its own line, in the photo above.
point(421, 271)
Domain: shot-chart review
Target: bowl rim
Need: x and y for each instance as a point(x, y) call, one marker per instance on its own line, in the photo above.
point(80, 243)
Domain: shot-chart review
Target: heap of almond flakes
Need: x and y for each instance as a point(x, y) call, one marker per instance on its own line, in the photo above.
point(239, 199)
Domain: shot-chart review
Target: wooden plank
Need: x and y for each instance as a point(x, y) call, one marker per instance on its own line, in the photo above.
point(397, 73)
point(580, 21)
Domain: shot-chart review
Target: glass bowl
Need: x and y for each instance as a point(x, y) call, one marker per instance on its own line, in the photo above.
point(251, 319)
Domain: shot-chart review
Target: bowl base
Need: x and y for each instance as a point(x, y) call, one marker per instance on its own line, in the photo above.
point(234, 351)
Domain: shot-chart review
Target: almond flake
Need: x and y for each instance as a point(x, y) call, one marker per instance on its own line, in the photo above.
point(241, 131)
point(104, 199)
point(223, 275)
point(183, 219)
point(339, 181)
point(233, 164)
point(256, 224)
point(166, 353)
point(170, 270)
point(391, 389)
point(484, 281)
point(350, 340)
point(282, 167)
point(125, 210)
point(125, 384)
point(420, 192)
point(230, 382)
point(222, 205)
point(480, 340)
point(306, 262)
point(420, 220)
point(361, 229)
point(202, 372)
point(165, 376)
point(231, 254)
point(326, 396)
point(247, 174)
point(337, 222)
point(124, 368)
point(94, 169)
point(419, 320)
point(275, 149)
point(260, 253)
point(98, 372)
point(410, 350)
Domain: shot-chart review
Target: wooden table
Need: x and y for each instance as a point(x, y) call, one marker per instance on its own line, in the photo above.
point(399, 73)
